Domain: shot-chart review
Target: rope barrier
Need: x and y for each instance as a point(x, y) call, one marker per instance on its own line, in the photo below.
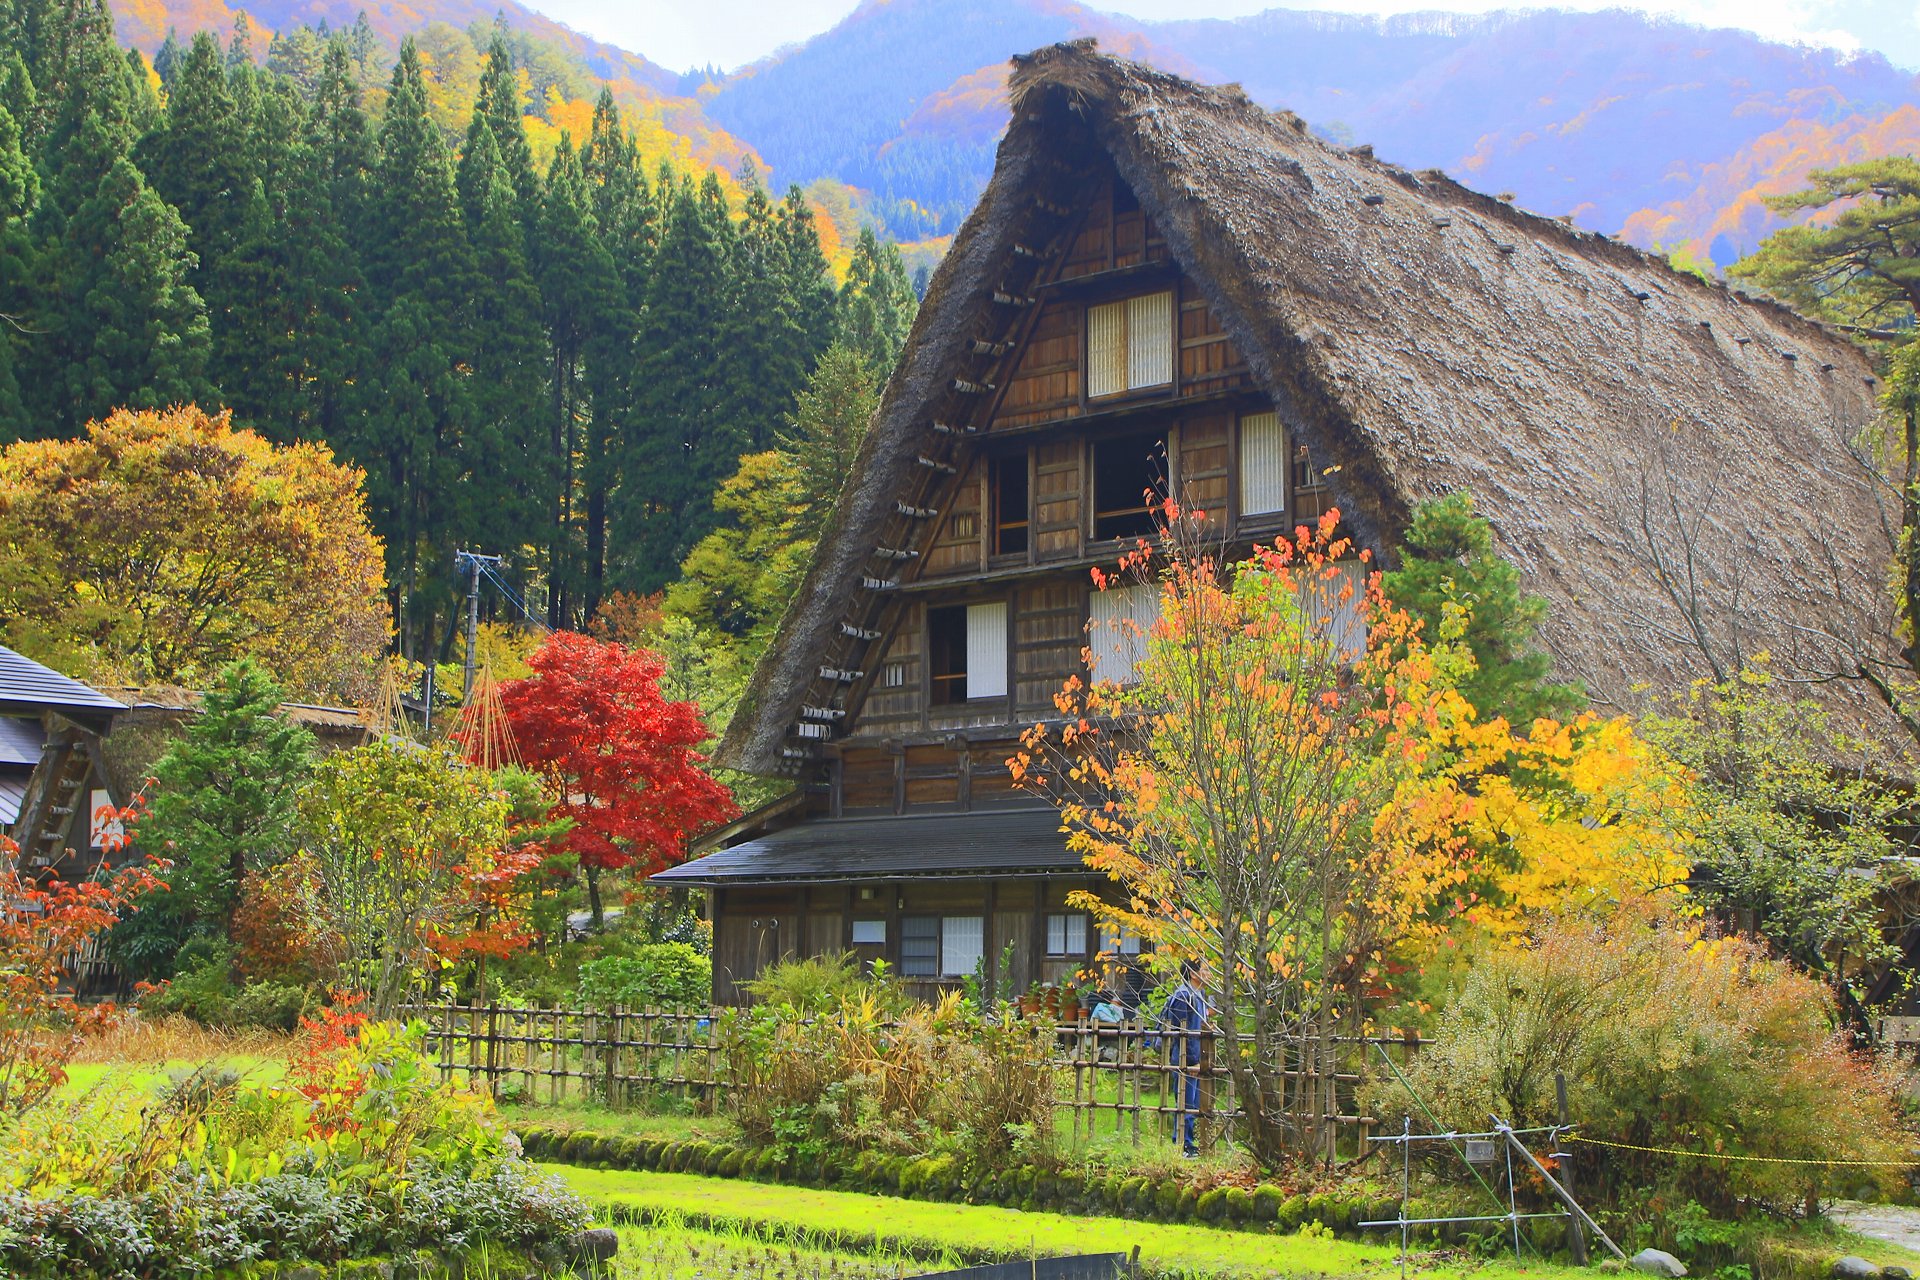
point(1715, 1155)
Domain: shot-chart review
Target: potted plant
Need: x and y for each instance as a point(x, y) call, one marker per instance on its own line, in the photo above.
point(1030, 1001)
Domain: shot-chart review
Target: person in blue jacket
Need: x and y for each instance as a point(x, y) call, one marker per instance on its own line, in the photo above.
point(1184, 1018)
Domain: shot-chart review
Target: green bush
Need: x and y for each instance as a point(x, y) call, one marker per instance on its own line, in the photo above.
point(819, 984)
point(1666, 1038)
point(655, 975)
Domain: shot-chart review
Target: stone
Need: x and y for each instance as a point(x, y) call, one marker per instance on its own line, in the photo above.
point(1658, 1262)
point(595, 1244)
point(1854, 1267)
point(1895, 1273)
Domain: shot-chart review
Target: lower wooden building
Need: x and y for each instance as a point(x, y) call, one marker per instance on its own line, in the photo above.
point(940, 897)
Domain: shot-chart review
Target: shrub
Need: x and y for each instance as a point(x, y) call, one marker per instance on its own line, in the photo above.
point(819, 984)
point(656, 975)
point(1667, 1038)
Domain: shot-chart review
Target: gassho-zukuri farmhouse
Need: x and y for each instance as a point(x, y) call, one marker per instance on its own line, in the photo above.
point(1166, 287)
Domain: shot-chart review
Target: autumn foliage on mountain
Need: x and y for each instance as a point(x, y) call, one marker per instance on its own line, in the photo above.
point(622, 758)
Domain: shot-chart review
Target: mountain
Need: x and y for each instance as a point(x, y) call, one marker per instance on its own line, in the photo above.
point(1601, 116)
point(1666, 132)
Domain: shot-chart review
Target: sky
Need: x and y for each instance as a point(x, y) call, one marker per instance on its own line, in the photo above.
point(685, 34)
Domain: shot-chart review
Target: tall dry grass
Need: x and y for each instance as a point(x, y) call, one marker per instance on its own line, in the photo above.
point(139, 1039)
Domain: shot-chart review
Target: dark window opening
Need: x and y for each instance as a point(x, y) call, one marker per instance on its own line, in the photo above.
point(1124, 201)
point(1129, 482)
point(1010, 519)
point(1304, 476)
point(920, 947)
point(947, 654)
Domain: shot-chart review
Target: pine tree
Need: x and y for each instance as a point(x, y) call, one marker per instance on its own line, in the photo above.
point(623, 212)
point(416, 412)
point(240, 48)
point(681, 446)
point(1448, 560)
point(167, 59)
point(809, 281)
point(500, 105)
point(223, 798)
point(579, 289)
point(326, 205)
point(506, 458)
point(877, 302)
point(19, 191)
point(118, 323)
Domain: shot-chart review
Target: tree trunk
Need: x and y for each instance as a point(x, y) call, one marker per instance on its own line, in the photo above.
point(593, 898)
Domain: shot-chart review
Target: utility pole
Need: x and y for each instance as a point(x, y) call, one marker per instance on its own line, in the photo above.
point(475, 564)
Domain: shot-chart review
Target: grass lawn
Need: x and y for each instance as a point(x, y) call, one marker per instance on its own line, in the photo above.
point(84, 1076)
point(840, 1220)
point(635, 1122)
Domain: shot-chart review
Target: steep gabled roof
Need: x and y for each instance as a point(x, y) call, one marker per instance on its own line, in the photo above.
point(1603, 409)
point(26, 685)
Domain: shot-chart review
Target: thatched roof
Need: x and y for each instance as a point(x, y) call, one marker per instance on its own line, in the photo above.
point(1603, 409)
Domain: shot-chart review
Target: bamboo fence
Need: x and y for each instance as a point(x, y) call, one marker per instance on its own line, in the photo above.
point(1124, 1080)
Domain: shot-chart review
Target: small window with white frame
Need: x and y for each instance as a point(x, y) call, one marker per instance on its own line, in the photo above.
point(1119, 620)
point(1118, 941)
point(869, 933)
point(1263, 466)
point(1067, 934)
point(1130, 344)
point(920, 947)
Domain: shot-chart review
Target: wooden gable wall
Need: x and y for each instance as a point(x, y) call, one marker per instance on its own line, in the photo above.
point(899, 750)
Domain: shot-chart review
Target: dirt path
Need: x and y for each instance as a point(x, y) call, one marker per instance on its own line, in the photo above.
point(1890, 1223)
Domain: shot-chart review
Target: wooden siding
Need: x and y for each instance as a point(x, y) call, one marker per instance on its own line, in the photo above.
point(1057, 482)
point(1045, 382)
point(1049, 631)
point(1209, 362)
point(961, 539)
point(1200, 471)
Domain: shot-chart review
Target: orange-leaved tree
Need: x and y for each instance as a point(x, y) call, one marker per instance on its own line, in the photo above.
point(166, 544)
point(44, 924)
point(1292, 787)
point(621, 759)
point(1233, 789)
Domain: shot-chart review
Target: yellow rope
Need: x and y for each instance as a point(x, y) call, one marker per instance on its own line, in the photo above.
point(1715, 1155)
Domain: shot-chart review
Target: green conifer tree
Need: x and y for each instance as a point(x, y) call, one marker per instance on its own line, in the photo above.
point(119, 322)
point(877, 303)
point(222, 800)
point(506, 458)
point(579, 290)
point(416, 411)
point(1447, 559)
point(500, 104)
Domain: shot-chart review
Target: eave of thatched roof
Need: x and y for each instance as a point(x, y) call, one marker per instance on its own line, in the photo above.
point(1423, 338)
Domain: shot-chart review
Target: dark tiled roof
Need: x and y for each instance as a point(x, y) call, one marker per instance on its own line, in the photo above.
point(20, 740)
point(983, 843)
point(13, 793)
point(25, 683)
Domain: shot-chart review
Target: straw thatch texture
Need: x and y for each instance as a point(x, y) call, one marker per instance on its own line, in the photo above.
point(1610, 416)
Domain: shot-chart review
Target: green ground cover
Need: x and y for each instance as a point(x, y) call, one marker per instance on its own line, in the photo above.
point(837, 1219)
point(668, 1250)
point(667, 1123)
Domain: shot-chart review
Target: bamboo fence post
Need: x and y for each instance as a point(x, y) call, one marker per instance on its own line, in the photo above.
point(612, 1050)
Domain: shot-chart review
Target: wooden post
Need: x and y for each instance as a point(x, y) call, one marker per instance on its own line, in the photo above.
point(612, 1052)
point(1205, 1123)
point(1576, 1230)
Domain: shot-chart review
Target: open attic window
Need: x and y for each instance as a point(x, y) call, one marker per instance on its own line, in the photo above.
point(967, 652)
point(1011, 521)
point(1124, 201)
point(1129, 482)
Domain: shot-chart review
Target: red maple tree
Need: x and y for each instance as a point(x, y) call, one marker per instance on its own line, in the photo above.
point(622, 757)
